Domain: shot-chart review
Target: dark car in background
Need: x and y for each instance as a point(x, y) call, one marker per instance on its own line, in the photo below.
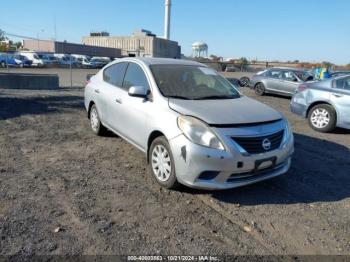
point(99, 62)
point(283, 81)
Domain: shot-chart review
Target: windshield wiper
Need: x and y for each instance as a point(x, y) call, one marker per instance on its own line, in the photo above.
point(215, 97)
point(179, 97)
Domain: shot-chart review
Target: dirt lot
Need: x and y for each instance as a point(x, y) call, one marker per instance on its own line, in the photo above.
point(98, 193)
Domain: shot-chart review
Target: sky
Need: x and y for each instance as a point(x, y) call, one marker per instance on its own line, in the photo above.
point(305, 30)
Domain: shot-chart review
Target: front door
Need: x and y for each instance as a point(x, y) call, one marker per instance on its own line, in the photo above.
point(134, 112)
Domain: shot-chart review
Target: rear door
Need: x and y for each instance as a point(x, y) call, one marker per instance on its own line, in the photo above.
point(340, 96)
point(109, 93)
point(289, 82)
point(273, 80)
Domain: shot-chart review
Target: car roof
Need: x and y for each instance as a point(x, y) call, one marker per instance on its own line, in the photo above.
point(159, 61)
point(289, 68)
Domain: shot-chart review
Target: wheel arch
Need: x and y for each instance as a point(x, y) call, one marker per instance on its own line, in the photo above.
point(89, 108)
point(155, 134)
point(313, 104)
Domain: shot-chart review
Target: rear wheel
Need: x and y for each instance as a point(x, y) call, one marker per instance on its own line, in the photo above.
point(322, 118)
point(3, 64)
point(95, 122)
point(244, 81)
point(259, 89)
point(162, 163)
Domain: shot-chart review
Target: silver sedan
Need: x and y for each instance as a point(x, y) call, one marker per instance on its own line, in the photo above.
point(283, 81)
point(194, 126)
point(326, 104)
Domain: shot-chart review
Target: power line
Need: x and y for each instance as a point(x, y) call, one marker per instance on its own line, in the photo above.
point(22, 36)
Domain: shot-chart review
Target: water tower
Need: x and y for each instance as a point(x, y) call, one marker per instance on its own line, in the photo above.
point(199, 49)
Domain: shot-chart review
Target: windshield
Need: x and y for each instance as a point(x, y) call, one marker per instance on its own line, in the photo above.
point(192, 82)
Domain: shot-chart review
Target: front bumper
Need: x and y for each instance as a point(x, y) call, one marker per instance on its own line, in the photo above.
point(232, 168)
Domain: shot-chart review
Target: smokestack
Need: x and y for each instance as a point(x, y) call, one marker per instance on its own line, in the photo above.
point(167, 19)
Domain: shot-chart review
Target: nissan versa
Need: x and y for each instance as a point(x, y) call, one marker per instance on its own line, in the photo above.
point(194, 126)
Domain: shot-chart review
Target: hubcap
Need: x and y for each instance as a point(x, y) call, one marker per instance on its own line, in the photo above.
point(94, 119)
point(161, 163)
point(320, 118)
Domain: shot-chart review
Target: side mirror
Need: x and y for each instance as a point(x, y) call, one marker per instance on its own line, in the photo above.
point(139, 91)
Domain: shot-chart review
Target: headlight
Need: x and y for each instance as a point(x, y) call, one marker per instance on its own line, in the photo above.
point(288, 132)
point(198, 132)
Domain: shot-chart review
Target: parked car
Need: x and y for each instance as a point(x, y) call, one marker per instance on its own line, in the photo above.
point(340, 73)
point(279, 81)
point(36, 61)
point(83, 61)
point(326, 104)
point(49, 59)
point(231, 69)
point(10, 60)
point(193, 125)
point(26, 62)
point(99, 62)
point(66, 60)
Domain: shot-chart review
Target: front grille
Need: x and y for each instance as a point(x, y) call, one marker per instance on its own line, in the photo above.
point(254, 145)
point(241, 177)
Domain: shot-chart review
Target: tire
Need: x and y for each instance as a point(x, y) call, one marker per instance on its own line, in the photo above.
point(244, 81)
point(322, 118)
point(259, 89)
point(159, 154)
point(3, 64)
point(95, 122)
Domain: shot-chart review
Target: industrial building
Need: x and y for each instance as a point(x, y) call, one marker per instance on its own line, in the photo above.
point(70, 48)
point(140, 43)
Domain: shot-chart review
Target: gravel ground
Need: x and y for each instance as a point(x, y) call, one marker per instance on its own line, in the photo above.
point(66, 191)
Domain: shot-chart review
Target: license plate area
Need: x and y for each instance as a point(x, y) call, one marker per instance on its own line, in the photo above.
point(265, 163)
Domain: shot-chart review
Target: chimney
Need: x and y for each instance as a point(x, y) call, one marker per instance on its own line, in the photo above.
point(167, 19)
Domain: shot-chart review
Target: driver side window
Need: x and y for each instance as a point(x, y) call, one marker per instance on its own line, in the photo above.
point(135, 76)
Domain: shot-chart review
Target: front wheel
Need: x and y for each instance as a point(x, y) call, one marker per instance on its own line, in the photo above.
point(162, 163)
point(259, 89)
point(322, 118)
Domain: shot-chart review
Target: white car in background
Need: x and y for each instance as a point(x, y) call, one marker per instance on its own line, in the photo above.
point(83, 61)
point(36, 61)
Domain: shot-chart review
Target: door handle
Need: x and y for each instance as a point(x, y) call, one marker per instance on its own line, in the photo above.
point(337, 95)
point(97, 91)
point(118, 100)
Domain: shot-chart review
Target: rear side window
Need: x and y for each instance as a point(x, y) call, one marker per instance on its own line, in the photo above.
point(343, 83)
point(289, 76)
point(114, 74)
point(135, 76)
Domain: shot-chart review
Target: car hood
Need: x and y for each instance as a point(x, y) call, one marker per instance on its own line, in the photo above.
point(241, 110)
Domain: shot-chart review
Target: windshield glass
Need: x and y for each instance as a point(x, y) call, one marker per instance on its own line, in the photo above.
point(192, 82)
